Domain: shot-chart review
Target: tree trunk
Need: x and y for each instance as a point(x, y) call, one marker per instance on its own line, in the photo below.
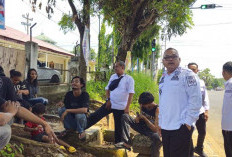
point(82, 64)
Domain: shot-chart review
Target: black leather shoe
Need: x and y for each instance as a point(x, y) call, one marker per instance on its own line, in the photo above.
point(200, 152)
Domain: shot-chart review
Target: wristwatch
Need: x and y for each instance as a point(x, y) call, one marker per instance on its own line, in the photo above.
point(107, 99)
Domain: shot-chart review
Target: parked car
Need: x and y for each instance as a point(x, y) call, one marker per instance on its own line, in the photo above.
point(47, 75)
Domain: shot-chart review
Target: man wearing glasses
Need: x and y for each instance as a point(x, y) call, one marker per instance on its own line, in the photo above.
point(180, 103)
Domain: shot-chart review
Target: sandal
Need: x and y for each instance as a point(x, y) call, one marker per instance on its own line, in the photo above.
point(71, 149)
point(121, 145)
point(82, 136)
point(62, 147)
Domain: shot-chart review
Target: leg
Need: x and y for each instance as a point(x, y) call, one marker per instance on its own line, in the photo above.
point(97, 116)
point(227, 135)
point(117, 125)
point(69, 120)
point(156, 144)
point(201, 128)
point(5, 135)
point(166, 142)
point(81, 122)
point(180, 142)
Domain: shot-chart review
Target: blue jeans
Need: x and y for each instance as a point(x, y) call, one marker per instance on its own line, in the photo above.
point(73, 121)
point(41, 100)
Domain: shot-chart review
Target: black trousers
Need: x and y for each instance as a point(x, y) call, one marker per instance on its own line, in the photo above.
point(201, 128)
point(102, 112)
point(176, 143)
point(227, 135)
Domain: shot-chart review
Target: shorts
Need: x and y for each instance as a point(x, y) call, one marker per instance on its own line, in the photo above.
point(38, 137)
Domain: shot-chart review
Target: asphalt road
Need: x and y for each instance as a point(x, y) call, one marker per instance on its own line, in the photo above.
point(214, 122)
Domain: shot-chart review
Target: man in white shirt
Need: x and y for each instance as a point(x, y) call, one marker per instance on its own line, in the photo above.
point(203, 117)
point(180, 103)
point(227, 109)
point(119, 94)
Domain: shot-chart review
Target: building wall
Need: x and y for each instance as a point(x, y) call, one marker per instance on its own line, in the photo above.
point(12, 57)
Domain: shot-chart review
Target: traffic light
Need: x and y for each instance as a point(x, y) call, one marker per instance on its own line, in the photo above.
point(208, 6)
point(153, 44)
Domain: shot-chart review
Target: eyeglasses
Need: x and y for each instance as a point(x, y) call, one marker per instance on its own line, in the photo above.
point(170, 57)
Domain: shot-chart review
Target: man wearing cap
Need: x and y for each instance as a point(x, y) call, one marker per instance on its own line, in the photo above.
point(180, 103)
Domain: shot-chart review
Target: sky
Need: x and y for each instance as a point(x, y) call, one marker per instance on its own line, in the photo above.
point(208, 43)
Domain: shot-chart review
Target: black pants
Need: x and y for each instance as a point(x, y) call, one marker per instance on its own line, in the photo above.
point(176, 143)
point(227, 135)
point(201, 128)
point(141, 127)
point(102, 112)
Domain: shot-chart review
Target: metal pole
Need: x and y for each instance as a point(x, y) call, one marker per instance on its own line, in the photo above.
point(31, 31)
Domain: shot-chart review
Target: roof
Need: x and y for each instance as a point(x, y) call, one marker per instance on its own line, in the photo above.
point(14, 35)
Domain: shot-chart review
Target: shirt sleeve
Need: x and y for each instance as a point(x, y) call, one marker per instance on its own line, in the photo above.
point(10, 95)
point(66, 101)
point(131, 85)
point(85, 102)
point(206, 97)
point(192, 87)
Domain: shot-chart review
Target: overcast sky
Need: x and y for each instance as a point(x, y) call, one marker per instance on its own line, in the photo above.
point(208, 43)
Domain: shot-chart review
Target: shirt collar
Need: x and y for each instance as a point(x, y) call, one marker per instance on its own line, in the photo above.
point(230, 80)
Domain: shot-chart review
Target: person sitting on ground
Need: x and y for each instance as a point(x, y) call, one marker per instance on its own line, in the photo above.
point(76, 102)
point(37, 131)
point(32, 85)
point(146, 123)
point(6, 87)
point(10, 109)
point(20, 88)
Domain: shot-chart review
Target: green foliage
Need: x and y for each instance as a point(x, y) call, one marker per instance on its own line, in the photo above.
point(11, 150)
point(143, 83)
point(66, 24)
point(210, 81)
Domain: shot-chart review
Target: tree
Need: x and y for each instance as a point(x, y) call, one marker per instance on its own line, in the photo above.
point(132, 17)
point(80, 19)
point(206, 76)
point(92, 54)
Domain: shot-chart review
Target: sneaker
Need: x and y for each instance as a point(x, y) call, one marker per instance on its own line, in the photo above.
point(200, 152)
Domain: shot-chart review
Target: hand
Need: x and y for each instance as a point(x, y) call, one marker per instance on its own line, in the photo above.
point(137, 119)
point(51, 136)
point(127, 110)
point(63, 115)
point(11, 107)
point(40, 128)
point(108, 105)
point(206, 115)
point(19, 92)
point(141, 116)
point(189, 127)
point(60, 104)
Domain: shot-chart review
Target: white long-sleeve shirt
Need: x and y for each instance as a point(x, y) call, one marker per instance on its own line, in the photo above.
point(119, 96)
point(180, 99)
point(227, 107)
point(205, 98)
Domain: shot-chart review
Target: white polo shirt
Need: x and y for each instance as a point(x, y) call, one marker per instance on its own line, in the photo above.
point(119, 96)
point(180, 99)
point(227, 107)
point(205, 98)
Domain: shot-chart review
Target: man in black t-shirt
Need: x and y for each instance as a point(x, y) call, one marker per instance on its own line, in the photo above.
point(146, 123)
point(76, 107)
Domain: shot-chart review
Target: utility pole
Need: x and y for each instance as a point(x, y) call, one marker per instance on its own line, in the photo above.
point(27, 24)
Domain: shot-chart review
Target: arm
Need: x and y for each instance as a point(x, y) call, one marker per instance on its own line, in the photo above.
point(192, 86)
point(28, 116)
point(24, 92)
point(129, 102)
point(78, 110)
point(154, 127)
point(131, 92)
point(9, 110)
